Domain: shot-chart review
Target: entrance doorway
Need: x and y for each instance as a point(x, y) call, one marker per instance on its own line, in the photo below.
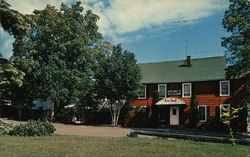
point(174, 115)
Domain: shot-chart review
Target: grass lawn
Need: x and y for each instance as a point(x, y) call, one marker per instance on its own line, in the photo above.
point(80, 146)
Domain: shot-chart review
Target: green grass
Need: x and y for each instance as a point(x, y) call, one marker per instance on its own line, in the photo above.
point(80, 146)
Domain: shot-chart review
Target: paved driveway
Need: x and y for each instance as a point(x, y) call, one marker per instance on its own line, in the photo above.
point(99, 131)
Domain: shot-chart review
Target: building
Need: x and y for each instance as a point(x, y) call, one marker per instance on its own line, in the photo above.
point(178, 82)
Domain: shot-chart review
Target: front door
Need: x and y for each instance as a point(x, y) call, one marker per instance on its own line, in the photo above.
point(174, 115)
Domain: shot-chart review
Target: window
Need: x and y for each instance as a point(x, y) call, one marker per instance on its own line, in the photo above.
point(174, 112)
point(162, 89)
point(142, 92)
point(186, 90)
point(224, 109)
point(224, 88)
point(203, 113)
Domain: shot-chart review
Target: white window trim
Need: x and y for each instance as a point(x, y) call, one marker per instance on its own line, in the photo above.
point(165, 89)
point(183, 90)
point(229, 105)
point(228, 88)
point(145, 87)
point(205, 112)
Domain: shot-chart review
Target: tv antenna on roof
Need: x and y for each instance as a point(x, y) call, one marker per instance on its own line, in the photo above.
point(186, 33)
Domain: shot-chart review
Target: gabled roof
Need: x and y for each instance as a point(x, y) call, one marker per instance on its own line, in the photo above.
point(201, 69)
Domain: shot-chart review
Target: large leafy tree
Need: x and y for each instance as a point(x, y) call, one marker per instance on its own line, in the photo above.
point(117, 80)
point(57, 55)
point(237, 21)
point(12, 21)
point(15, 24)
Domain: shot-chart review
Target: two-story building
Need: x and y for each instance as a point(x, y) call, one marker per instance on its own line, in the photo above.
point(178, 81)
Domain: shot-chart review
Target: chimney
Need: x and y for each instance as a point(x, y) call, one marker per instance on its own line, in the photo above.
point(188, 61)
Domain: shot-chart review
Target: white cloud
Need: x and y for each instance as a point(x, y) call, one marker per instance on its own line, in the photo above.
point(28, 6)
point(125, 16)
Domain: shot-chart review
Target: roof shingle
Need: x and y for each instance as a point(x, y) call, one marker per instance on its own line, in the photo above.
point(202, 69)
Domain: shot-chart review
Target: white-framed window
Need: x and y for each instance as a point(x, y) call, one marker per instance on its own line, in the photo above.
point(203, 111)
point(224, 109)
point(142, 92)
point(162, 89)
point(186, 90)
point(224, 88)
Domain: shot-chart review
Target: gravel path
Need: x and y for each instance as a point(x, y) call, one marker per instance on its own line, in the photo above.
point(98, 131)
point(84, 130)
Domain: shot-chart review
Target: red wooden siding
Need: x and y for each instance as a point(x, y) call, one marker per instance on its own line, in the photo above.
point(207, 93)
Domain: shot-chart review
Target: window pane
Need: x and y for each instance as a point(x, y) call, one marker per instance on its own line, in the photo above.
point(174, 112)
point(162, 90)
point(224, 88)
point(187, 90)
point(142, 92)
point(202, 115)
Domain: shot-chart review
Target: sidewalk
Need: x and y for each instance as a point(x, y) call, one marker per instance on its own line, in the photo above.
point(192, 134)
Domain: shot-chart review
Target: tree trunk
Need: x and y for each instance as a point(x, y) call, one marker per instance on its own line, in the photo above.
point(19, 112)
point(114, 118)
point(117, 117)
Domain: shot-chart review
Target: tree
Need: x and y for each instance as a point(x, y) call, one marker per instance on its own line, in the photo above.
point(117, 80)
point(229, 114)
point(15, 24)
point(12, 21)
point(237, 21)
point(57, 55)
point(193, 112)
point(9, 74)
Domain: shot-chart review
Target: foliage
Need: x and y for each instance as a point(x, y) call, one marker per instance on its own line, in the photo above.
point(5, 127)
point(237, 21)
point(12, 21)
point(193, 112)
point(132, 134)
point(33, 128)
point(15, 24)
point(228, 114)
point(153, 120)
point(9, 74)
point(57, 55)
point(117, 80)
point(139, 117)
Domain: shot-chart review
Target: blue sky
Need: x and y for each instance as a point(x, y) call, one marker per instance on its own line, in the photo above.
point(149, 28)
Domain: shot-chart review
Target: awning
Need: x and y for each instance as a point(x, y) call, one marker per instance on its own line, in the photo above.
point(171, 101)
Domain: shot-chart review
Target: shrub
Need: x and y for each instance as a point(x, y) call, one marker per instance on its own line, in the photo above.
point(33, 128)
point(4, 127)
point(132, 134)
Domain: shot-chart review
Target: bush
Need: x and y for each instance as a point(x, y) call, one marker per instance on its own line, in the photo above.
point(5, 128)
point(132, 134)
point(33, 128)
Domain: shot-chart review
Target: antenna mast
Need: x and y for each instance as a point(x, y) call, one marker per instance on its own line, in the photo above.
point(186, 33)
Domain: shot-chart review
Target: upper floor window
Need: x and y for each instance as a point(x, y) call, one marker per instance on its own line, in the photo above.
point(224, 88)
point(142, 92)
point(203, 113)
point(162, 89)
point(186, 90)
